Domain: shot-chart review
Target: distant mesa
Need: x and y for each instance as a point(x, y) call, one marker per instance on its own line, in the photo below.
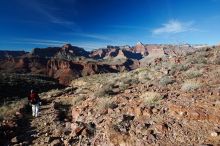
point(68, 62)
point(11, 54)
point(65, 52)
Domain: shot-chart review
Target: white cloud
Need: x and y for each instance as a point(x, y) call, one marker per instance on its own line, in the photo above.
point(50, 13)
point(90, 35)
point(39, 42)
point(174, 26)
point(55, 43)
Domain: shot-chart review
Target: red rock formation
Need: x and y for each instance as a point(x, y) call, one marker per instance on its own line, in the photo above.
point(155, 50)
point(98, 54)
point(140, 48)
point(68, 62)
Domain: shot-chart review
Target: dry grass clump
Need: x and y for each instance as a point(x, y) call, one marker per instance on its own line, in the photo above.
point(151, 97)
point(82, 90)
point(115, 86)
point(143, 77)
point(198, 58)
point(190, 85)
point(54, 93)
point(78, 83)
point(215, 73)
point(165, 80)
point(11, 108)
point(178, 68)
point(119, 83)
point(103, 103)
point(192, 73)
point(216, 57)
point(78, 99)
point(104, 90)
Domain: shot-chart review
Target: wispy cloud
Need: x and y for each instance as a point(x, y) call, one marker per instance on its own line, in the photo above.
point(128, 27)
point(39, 42)
point(173, 27)
point(49, 12)
point(91, 45)
point(90, 36)
point(88, 45)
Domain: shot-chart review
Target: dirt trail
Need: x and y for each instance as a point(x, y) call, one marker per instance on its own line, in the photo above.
point(49, 128)
point(52, 125)
point(44, 122)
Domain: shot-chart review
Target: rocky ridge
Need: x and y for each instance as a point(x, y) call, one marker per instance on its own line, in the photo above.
point(172, 101)
point(11, 54)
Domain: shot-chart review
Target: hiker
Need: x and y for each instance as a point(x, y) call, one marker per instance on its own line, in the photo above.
point(35, 101)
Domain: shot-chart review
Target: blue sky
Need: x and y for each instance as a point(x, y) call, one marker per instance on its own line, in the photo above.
point(26, 24)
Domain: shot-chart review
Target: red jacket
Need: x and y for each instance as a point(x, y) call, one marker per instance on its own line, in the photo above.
point(34, 98)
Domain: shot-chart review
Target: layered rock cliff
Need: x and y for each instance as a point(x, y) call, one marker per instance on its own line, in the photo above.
point(11, 54)
point(68, 62)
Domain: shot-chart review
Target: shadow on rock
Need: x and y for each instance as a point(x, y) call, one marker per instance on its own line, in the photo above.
point(18, 130)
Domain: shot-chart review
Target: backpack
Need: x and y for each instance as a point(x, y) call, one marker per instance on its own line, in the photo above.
point(34, 98)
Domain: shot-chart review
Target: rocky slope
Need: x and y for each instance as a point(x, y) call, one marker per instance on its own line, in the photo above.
point(167, 103)
point(172, 101)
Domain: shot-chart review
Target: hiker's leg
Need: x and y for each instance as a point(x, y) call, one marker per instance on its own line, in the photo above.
point(33, 110)
point(36, 110)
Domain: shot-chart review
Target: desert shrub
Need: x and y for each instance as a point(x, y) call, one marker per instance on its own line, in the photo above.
point(157, 67)
point(151, 97)
point(190, 74)
point(82, 90)
point(215, 73)
point(129, 80)
point(182, 67)
point(143, 77)
point(11, 108)
point(125, 82)
point(123, 85)
point(216, 61)
point(116, 86)
point(78, 99)
point(103, 103)
point(179, 68)
point(140, 70)
point(197, 58)
point(200, 60)
point(190, 86)
point(216, 58)
point(104, 90)
point(199, 66)
point(165, 80)
point(167, 64)
point(55, 93)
